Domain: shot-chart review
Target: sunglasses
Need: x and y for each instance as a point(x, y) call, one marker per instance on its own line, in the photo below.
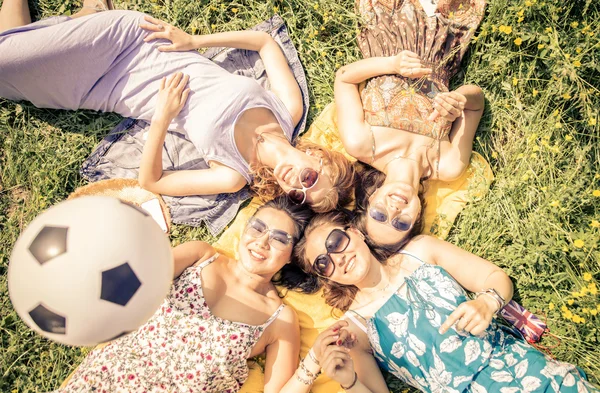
point(277, 238)
point(401, 223)
point(308, 179)
point(337, 241)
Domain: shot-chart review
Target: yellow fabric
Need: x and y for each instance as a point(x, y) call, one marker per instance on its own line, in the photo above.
point(443, 203)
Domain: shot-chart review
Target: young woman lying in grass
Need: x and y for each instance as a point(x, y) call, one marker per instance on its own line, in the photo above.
point(118, 61)
point(403, 121)
point(219, 313)
point(412, 316)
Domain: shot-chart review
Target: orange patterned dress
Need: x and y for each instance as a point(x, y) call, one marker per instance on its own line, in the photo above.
point(391, 26)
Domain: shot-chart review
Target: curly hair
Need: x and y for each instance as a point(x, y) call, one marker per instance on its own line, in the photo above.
point(369, 180)
point(342, 172)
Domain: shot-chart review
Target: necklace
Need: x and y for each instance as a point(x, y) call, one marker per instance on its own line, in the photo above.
point(407, 156)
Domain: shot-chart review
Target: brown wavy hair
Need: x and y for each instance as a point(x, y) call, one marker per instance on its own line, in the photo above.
point(369, 180)
point(336, 295)
point(342, 178)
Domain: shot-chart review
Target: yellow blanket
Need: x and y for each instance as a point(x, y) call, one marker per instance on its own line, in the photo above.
point(444, 202)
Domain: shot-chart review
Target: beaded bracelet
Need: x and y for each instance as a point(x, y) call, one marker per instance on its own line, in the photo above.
point(352, 384)
point(304, 380)
point(309, 373)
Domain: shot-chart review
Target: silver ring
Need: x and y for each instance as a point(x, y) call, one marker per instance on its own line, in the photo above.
point(160, 27)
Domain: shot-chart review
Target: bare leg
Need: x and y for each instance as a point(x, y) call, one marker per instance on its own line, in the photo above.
point(93, 6)
point(14, 13)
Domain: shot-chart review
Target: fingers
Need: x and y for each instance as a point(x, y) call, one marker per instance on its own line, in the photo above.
point(174, 80)
point(156, 36)
point(450, 107)
point(452, 319)
point(434, 115)
point(183, 82)
point(150, 27)
point(184, 96)
point(410, 54)
point(150, 19)
point(163, 80)
point(167, 48)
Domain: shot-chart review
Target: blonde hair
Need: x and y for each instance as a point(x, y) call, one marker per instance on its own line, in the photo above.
point(341, 171)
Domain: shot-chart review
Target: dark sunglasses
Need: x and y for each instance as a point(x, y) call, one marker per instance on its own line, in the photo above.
point(308, 179)
point(401, 223)
point(277, 238)
point(337, 241)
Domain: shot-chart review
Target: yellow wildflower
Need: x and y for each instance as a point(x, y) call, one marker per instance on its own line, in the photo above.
point(544, 189)
point(518, 41)
point(323, 54)
point(520, 13)
point(528, 3)
point(579, 243)
point(595, 224)
point(576, 318)
point(587, 276)
point(551, 306)
point(337, 65)
point(494, 154)
point(558, 125)
point(548, 30)
point(567, 56)
point(574, 24)
point(568, 137)
point(507, 30)
point(534, 92)
point(596, 193)
point(316, 6)
point(515, 81)
point(213, 26)
point(521, 19)
point(525, 177)
point(555, 113)
point(566, 96)
point(581, 320)
point(576, 63)
point(564, 308)
point(592, 288)
point(554, 203)
point(275, 9)
point(576, 294)
point(578, 49)
point(585, 310)
point(541, 46)
point(592, 121)
point(594, 312)
point(570, 302)
point(234, 10)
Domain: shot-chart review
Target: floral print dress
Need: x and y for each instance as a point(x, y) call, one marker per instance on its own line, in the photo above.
point(405, 340)
point(182, 348)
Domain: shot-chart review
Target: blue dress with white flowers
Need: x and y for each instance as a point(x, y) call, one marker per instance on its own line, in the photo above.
point(405, 340)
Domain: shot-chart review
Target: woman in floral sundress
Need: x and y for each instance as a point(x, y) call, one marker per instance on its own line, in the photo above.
point(219, 313)
point(395, 112)
point(413, 318)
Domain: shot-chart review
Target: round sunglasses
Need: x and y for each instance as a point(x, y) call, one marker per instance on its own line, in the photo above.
point(337, 241)
point(308, 179)
point(401, 223)
point(277, 238)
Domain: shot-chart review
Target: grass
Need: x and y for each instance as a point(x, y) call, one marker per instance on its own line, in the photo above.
point(537, 62)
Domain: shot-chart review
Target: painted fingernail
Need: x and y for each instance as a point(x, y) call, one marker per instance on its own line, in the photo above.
point(336, 329)
point(339, 342)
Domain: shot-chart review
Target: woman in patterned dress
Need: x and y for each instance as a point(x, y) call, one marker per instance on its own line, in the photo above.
point(395, 112)
point(413, 318)
point(219, 313)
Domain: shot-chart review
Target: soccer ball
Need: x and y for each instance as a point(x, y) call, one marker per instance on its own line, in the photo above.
point(89, 270)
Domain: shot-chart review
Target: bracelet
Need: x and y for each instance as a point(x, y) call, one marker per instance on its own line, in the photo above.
point(308, 373)
point(311, 355)
point(304, 380)
point(491, 292)
point(352, 384)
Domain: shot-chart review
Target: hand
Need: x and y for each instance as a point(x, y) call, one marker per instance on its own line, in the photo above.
point(333, 334)
point(180, 40)
point(473, 316)
point(338, 365)
point(448, 105)
point(408, 64)
point(172, 95)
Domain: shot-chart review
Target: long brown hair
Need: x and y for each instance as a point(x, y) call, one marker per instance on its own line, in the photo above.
point(265, 185)
point(336, 295)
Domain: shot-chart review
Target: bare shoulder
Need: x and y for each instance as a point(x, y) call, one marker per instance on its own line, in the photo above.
point(362, 339)
point(286, 325)
point(424, 247)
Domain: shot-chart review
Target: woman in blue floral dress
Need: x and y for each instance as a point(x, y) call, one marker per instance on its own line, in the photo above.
point(412, 317)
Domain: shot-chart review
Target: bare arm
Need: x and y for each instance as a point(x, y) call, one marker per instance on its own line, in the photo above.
point(282, 81)
point(471, 272)
point(219, 178)
point(186, 254)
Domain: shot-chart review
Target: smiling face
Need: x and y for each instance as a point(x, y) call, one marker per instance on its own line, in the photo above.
point(351, 265)
point(288, 175)
point(257, 254)
point(393, 205)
